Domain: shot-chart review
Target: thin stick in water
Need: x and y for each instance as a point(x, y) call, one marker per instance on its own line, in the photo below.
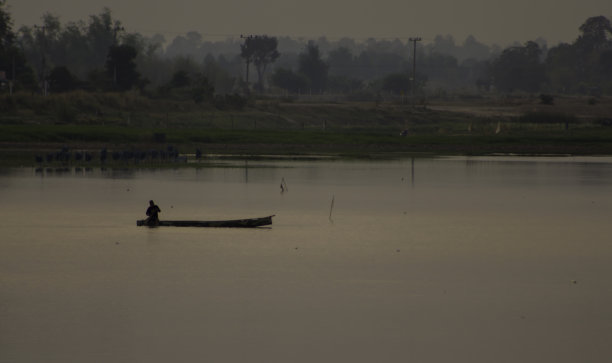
point(331, 208)
point(283, 186)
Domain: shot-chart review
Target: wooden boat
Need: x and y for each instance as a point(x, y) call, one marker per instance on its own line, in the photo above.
point(240, 223)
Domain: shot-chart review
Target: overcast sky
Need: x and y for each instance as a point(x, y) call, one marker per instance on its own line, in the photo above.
point(490, 21)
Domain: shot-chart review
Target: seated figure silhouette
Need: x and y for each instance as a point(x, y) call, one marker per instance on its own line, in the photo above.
point(153, 214)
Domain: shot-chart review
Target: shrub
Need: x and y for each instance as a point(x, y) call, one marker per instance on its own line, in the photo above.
point(547, 99)
point(230, 102)
point(547, 118)
point(65, 113)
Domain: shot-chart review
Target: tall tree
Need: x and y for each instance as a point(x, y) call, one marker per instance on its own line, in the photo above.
point(596, 34)
point(186, 45)
point(202, 90)
point(438, 67)
point(313, 67)
point(519, 68)
point(340, 62)
point(7, 37)
point(121, 67)
point(445, 45)
point(397, 83)
point(562, 65)
point(79, 46)
point(261, 50)
point(12, 59)
point(585, 65)
point(74, 50)
point(222, 81)
point(102, 33)
point(61, 80)
point(289, 80)
point(592, 46)
point(472, 48)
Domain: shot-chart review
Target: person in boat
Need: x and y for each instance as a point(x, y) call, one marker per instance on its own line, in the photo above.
point(153, 214)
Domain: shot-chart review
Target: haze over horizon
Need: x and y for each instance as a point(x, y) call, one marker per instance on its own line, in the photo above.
point(491, 22)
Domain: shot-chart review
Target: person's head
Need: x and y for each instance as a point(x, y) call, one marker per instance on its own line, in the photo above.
point(151, 203)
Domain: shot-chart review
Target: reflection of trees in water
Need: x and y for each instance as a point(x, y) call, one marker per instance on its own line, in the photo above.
point(93, 172)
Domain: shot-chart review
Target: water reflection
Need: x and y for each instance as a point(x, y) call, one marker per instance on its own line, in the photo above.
point(412, 171)
point(475, 260)
point(91, 172)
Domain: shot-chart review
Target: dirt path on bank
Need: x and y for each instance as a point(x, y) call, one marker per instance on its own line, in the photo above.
point(580, 107)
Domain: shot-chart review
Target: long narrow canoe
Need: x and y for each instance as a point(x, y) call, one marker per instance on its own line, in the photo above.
point(242, 223)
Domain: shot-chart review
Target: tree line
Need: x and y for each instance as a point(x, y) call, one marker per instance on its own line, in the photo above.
point(100, 55)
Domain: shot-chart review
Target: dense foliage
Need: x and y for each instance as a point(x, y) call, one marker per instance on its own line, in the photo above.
point(99, 55)
point(14, 69)
point(261, 51)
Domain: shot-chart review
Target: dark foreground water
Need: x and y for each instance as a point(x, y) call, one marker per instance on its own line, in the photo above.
point(426, 260)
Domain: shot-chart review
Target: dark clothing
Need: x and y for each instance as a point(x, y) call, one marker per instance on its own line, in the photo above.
point(153, 212)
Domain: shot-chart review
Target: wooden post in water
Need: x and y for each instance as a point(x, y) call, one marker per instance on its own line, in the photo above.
point(283, 186)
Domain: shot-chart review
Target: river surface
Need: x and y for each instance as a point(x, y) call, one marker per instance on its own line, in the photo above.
point(496, 259)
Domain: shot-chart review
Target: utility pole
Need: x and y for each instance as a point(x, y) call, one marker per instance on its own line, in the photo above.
point(414, 41)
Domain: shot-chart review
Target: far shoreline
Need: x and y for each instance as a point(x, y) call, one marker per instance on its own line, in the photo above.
point(486, 125)
point(29, 154)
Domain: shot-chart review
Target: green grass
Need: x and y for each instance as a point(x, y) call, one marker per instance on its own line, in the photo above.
point(92, 120)
point(359, 136)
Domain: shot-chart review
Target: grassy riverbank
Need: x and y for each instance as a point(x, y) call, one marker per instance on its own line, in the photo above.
point(34, 125)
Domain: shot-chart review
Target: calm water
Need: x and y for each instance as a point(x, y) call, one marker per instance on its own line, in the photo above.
point(425, 260)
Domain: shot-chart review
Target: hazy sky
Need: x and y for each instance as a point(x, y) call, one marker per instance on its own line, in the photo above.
point(490, 21)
